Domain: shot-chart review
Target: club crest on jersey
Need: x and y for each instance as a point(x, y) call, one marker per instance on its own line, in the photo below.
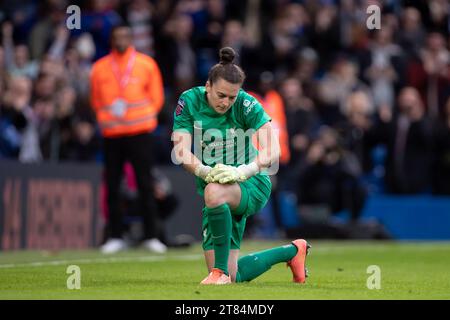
point(180, 107)
point(248, 106)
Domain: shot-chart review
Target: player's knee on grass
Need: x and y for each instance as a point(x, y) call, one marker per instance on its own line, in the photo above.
point(215, 195)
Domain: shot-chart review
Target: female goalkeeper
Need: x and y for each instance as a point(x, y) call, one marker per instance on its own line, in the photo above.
point(231, 175)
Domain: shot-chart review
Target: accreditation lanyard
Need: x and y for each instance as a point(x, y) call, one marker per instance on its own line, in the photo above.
point(123, 78)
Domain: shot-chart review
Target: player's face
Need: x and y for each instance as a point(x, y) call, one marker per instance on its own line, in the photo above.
point(222, 94)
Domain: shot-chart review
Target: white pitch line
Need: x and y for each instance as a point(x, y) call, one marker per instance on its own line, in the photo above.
point(100, 260)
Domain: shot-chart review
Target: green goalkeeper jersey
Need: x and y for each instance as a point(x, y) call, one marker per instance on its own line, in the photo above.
point(219, 138)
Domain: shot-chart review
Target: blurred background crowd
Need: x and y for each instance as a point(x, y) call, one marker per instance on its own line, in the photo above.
point(360, 111)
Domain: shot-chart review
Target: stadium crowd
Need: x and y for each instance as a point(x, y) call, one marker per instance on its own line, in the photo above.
point(358, 110)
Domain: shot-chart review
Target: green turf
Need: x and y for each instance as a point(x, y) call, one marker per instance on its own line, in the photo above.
point(338, 270)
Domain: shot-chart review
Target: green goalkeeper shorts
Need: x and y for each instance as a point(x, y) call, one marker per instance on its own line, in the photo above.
point(255, 193)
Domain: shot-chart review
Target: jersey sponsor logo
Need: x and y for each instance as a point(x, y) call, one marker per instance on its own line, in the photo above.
point(180, 107)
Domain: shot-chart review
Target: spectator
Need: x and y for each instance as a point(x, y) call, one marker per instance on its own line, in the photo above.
point(209, 24)
point(305, 69)
point(352, 28)
point(22, 15)
point(57, 48)
point(139, 14)
point(185, 65)
point(412, 35)
point(430, 75)
point(441, 167)
point(45, 111)
point(302, 120)
point(335, 86)
point(326, 34)
point(85, 143)
point(45, 86)
point(234, 36)
point(65, 104)
point(19, 120)
point(43, 32)
point(382, 67)
point(53, 67)
point(330, 177)
point(437, 16)
point(17, 60)
point(358, 110)
point(177, 55)
point(99, 19)
point(15, 98)
point(78, 62)
point(288, 33)
point(408, 138)
point(256, 16)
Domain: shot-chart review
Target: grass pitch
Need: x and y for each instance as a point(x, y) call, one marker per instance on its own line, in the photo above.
point(338, 270)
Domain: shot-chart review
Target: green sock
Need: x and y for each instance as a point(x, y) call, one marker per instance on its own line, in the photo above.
point(255, 264)
point(219, 220)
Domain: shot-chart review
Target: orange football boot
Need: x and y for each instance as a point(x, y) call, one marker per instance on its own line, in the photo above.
point(216, 276)
point(297, 263)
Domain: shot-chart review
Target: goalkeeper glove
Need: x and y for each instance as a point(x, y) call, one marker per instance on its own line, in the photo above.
point(228, 174)
point(202, 171)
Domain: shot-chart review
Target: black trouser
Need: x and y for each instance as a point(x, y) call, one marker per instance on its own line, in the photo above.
point(138, 150)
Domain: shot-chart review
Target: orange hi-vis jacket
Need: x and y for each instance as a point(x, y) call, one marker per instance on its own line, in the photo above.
point(274, 106)
point(126, 93)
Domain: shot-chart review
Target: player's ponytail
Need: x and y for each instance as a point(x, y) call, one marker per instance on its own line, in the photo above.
point(226, 69)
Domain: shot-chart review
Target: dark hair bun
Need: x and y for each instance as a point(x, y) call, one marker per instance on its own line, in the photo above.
point(227, 55)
